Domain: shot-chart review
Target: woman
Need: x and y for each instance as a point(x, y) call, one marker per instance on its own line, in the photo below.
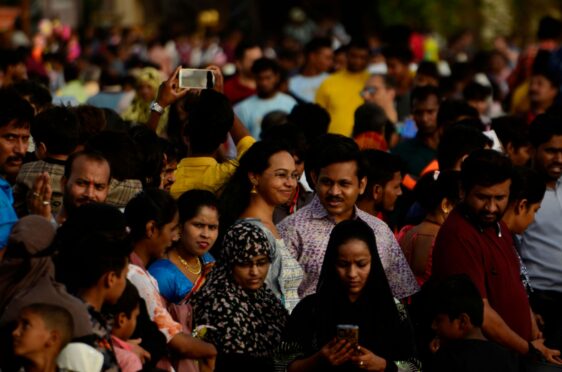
point(352, 290)
point(265, 179)
point(437, 193)
point(148, 82)
point(153, 222)
point(186, 266)
point(247, 317)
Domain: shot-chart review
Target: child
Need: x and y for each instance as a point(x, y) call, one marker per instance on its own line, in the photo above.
point(125, 313)
point(42, 332)
point(458, 315)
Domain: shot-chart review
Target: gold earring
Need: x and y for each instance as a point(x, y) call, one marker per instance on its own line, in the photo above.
point(253, 191)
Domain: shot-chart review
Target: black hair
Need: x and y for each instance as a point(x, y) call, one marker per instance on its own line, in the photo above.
point(291, 135)
point(273, 119)
point(11, 57)
point(311, 118)
point(428, 68)
point(388, 81)
point(55, 318)
point(549, 28)
point(95, 235)
point(527, 184)
point(14, 109)
point(543, 128)
point(542, 67)
point(37, 93)
point(511, 129)
point(452, 110)
point(265, 64)
point(171, 150)
point(191, 202)
point(91, 119)
point(149, 205)
point(476, 91)
point(369, 117)
point(58, 129)
point(119, 150)
point(91, 155)
point(435, 186)
point(317, 44)
point(242, 47)
point(358, 43)
point(210, 120)
point(422, 94)
point(127, 303)
point(457, 295)
point(485, 168)
point(401, 53)
point(150, 155)
point(380, 168)
point(334, 148)
point(458, 141)
point(236, 195)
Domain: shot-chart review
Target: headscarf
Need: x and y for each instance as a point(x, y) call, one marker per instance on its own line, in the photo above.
point(139, 110)
point(27, 275)
point(383, 329)
point(248, 322)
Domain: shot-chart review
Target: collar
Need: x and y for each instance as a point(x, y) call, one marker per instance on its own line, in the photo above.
point(197, 160)
point(474, 222)
point(319, 212)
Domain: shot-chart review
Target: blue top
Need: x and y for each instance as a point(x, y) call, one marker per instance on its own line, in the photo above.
point(173, 284)
point(8, 215)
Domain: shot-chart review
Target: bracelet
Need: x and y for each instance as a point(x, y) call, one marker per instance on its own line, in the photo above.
point(155, 106)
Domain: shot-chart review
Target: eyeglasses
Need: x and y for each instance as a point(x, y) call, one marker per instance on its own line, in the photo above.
point(370, 90)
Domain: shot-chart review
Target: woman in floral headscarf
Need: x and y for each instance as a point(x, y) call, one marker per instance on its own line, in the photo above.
point(246, 316)
point(148, 82)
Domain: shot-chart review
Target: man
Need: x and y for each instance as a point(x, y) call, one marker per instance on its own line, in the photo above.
point(340, 93)
point(15, 116)
point(339, 179)
point(540, 246)
point(268, 98)
point(86, 180)
point(476, 242)
point(319, 60)
point(380, 90)
point(398, 61)
point(243, 84)
point(12, 66)
point(384, 176)
point(56, 134)
point(419, 151)
point(543, 90)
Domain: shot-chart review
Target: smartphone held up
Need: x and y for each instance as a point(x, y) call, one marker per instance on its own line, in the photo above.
point(196, 78)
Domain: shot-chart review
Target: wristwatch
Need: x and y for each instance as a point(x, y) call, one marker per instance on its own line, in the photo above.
point(154, 106)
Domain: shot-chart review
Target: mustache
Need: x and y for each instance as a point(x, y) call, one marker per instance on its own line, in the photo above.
point(14, 158)
point(334, 198)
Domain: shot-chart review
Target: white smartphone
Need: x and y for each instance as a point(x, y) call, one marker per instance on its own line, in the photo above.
point(196, 78)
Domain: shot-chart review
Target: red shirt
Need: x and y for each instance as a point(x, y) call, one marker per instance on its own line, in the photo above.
point(487, 256)
point(236, 92)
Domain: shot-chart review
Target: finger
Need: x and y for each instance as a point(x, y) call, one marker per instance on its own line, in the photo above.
point(182, 92)
point(136, 341)
point(146, 355)
point(175, 74)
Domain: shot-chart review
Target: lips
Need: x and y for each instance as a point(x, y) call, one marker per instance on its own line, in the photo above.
point(203, 245)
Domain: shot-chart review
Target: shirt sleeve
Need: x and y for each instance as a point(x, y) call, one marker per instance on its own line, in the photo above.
point(400, 277)
point(290, 235)
point(165, 279)
point(321, 96)
point(154, 304)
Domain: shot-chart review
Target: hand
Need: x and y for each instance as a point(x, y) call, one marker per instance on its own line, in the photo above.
point(143, 355)
point(219, 79)
point(367, 360)
point(337, 352)
point(551, 355)
point(536, 324)
point(169, 91)
point(207, 365)
point(39, 197)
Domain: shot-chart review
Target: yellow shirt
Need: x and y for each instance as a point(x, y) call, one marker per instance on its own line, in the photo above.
point(205, 172)
point(340, 95)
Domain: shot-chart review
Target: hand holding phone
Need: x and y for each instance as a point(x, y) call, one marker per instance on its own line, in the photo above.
point(348, 332)
point(196, 78)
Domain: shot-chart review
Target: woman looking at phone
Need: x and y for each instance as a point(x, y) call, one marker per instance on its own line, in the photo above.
point(352, 289)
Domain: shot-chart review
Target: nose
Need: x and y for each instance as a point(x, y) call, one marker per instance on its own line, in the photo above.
point(334, 190)
point(254, 270)
point(205, 232)
point(20, 147)
point(352, 272)
point(491, 206)
point(89, 192)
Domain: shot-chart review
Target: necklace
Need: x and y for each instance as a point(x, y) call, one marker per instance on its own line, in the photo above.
point(195, 270)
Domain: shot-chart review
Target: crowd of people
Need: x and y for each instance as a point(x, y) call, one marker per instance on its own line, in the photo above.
point(331, 205)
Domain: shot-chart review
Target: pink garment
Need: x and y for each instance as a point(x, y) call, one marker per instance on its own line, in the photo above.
point(408, 247)
point(128, 361)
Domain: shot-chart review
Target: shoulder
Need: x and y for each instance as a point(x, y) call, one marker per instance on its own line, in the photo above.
point(161, 267)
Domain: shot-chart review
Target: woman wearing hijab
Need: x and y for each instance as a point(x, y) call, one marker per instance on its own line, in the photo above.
point(352, 290)
point(244, 318)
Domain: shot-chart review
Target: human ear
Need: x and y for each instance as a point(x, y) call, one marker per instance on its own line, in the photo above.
point(362, 185)
point(464, 322)
point(446, 206)
point(150, 228)
point(377, 192)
